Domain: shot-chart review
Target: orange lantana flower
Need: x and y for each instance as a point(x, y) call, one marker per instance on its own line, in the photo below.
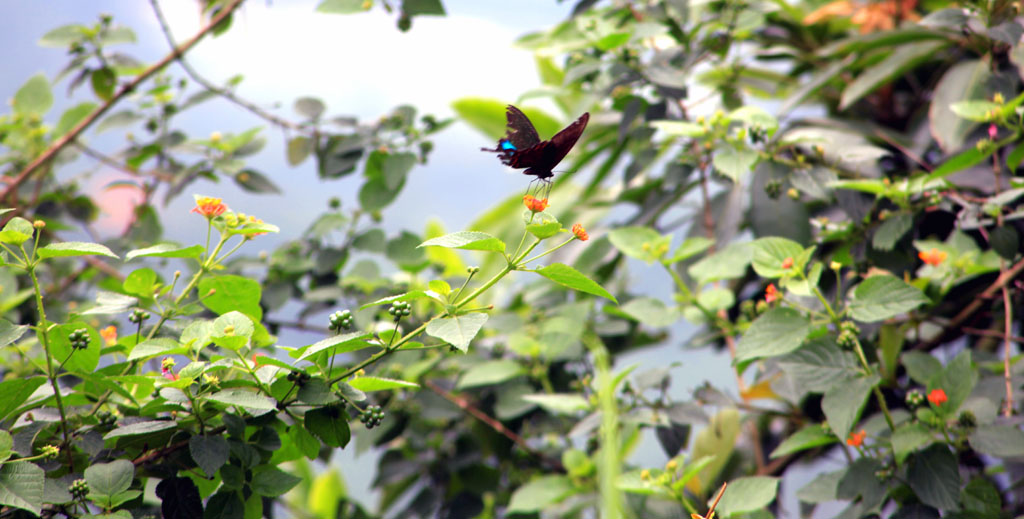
point(869, 16)
point(856, 439)
point(932, 257)
point(109, 335)
point(937, 397)
point(535, 204)
point(787, 263)
point(580, 232)
point(771, 294)
point(209, 207)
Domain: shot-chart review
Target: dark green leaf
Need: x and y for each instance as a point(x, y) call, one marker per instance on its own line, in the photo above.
point(329, 424)
point(809, 437)
point(935, 477)
point(209, 452)
point(141, 428)
point(255, 182)
point(818, 364)
point(273, 482)
point(844, 401)
point(776, 332)
point(21, 486)
point(1001, 441)
point(423, 7)
point(881, 297)
point(14, 393)
point(224, 505)
point(908, 438)
point(748, 494)
point(903, 59)
point(891, 230)
point(107, 479)
point(103, 82)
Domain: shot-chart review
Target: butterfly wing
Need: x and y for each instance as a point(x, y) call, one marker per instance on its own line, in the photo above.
point(521, 132)
point(564, 140)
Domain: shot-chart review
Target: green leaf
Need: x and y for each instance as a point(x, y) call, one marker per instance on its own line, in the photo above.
point(141, 428)
point(881, 297)
point(468, 240)
point(728, 263)
point(905, 58)
point(957, 379)
point(809, 437)
point(343, 6)
point(248, 400)
point(255, 182)
point(337, 344)
point(776, 332)
point(71, 117)
point(824, 487)
point(491, 372)
point(976, 110)
point(310, 107)
point(961, 161)
point(1001, 441)
point(209, 452)
point(15, 392)
point(649, 311)
point(368, 384)
point(299, 148)
point(541, 225)
point(748, 494)
point(967, 79)
point(165, 250)
point(935, 477)
point(62, 36)
point(844, 401)
point(457, 331)
point(908, 438)
point(141, 283)
point(21, 486)
point(232, 330)
point(770, 253)
point(329, 424)
point(76, 361)
point(107, 479)
point(232, 293)
point(642, 243)
point(920, 366)
point(103, 81)
point(734, 163)
point(539, 494)
point(34, 97)
point(559, 403)
point(10, 333)
point(117, 120)
point(816, 366)
point(689, 248)
point(892, 229)
point(574, 279)
point(156, 347)
point(376, 194)
point(272, 481)
point(74, 248)
point(17, 231)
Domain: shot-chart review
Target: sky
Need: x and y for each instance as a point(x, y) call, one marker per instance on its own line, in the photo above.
point(359, 65)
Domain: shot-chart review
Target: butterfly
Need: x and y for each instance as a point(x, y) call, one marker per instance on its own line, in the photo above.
point(521, 147)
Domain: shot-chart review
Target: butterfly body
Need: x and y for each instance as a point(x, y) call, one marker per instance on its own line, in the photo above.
point(521, 147)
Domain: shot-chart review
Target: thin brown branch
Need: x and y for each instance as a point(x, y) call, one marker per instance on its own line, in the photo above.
point(992, 333)
point(205, 83)
point(1007, 331)
point(1004, 279)
point(493, 423)
point(58, 145)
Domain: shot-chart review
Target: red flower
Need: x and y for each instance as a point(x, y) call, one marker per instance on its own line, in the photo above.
point(209, 207)
point(787, 263)
point(535, 204)
point(992, 131)
point(580, 232)
point(856, 439)
point(937, 397)
point(932, 257)
point(256, 358)
point(771, 294)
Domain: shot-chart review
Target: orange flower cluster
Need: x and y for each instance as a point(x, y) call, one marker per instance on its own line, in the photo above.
point(109, 335)
point(869, 16)
point(937, 397)
point(209, 207)
point(932, 257)
point(535, 204)
point(856, 439)
point(580, 232)
point(787, 263)
point(771, 294)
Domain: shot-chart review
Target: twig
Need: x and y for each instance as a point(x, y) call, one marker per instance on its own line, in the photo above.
point(992, 333)
point(498, 427)
point(226, 94)
point(129, 87)
point(973, 306)
point(1007, 331)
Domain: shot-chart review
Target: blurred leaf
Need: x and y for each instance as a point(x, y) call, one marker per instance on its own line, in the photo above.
point(748, 494)
point(255, 182)
point(34, 97)
point(968, 79)
point(344, 6)
point(74, 248)
point(902, 60)
point(776, 332)
point(809, 437)
point(490, 372)
point(540, 494)
point(71, 117)
point(367, 384)
point(423, 7)
point(103, 82)
point(468, 240)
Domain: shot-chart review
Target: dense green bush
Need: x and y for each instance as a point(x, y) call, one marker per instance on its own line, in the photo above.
point(831, 189)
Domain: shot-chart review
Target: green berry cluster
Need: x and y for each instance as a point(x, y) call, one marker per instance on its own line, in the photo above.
point(914, 398)
point(400, 309)
point(342, 319)
point(371, 416)
point(50, 451)
point(138, 315)
point(847, 335)
point(78, 488)
point(79, 339)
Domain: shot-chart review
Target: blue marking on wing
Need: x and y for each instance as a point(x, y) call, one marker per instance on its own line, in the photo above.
point(506, 145)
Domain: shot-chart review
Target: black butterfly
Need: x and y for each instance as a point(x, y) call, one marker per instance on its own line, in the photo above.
point(522, 148)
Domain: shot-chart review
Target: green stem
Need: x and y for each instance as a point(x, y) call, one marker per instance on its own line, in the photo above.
point(549, 251)
point(377, 356)
point(874, 388)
